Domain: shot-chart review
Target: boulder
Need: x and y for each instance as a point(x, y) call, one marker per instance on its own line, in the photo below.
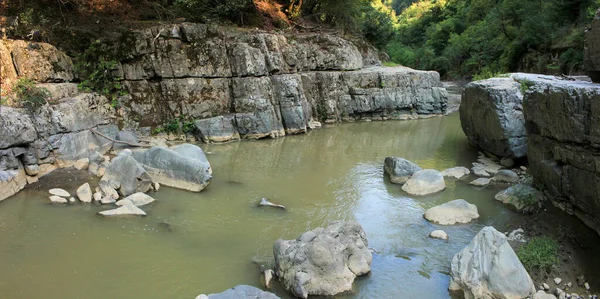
point(124, 210)
point(17, 127)
point(84, 193)
point(266, 203)
point(59, 192)
point(522, 198)
point(217, 129)
point(453, 212)
point(489, 268)
point(137, 199)
point(108, 189)
point(130, 174)
point(425, 182)
point(173, 169)
point(456, 172)
point(399, 169)
point(192, 151)
point(491, 116)
point(506, 176)
point(324, 261)
point(439, 234)
point(240, 292)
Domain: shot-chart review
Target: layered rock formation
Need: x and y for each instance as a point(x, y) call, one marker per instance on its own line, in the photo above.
point(563, 127)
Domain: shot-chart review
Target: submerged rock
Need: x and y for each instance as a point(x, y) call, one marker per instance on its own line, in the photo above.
point(266, 203)
point(452, 212)
point(324, 261)
point(58, 199)
point(240, 292)
point(59, 192)
point(506, 176)
point(425, 182)
point(521, 197)
point(489, 268)
point(480, 182)
point(456, 172)
point(137, 199)
point(173, 169)
point(125, 210)
point(439, 234)
point(399, 169)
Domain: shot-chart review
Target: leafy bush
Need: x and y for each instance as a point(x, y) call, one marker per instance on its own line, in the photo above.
point(28, 95)
point(540, 254)
point(236, 11)
point(95, 66)
point(176, 126)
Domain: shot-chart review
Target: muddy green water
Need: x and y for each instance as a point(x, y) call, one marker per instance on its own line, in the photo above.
point(206, 242)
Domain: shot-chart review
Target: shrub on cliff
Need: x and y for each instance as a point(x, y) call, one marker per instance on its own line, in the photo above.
point(27, 95)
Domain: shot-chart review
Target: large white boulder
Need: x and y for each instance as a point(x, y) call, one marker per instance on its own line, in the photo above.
point(425, 182)
point(452, 212)
point(489, 268)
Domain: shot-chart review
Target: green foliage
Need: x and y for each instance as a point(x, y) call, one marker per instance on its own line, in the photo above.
point(539, 254)
point(236, 11)
point(96, 66)
point(28, 95)
point(176, 125)
point(390, 63)
point(525, 85)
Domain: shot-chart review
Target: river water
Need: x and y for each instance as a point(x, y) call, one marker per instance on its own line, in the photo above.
point(193, 243)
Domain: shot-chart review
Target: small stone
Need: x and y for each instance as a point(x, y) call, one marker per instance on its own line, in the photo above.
point(155, 186)
point(101, 171)
point(72, 199)
point(107, 200)
point(587, 286)
point(523, 168)
point(480, 182)
point(439, 234)
point(32, 170)
point(97, 196)
point(557, 280)
point(93, 168)
point(82, 163)
point(569, 284)
point(546, 286)
point(84, 193)
point(58, 199)
point(59, 192)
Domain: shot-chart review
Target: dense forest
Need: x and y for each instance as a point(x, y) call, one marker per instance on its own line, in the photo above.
point(458, 38)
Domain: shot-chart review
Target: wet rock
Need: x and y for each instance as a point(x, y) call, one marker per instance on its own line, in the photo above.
point(82, 163)
point(240, 291)
point(84, 193)
point(217, 129)
point(452, 212)
point(155, 186)
point(489, 268)
point(543, 295)
point(479, 170)
point(521, 197)
point(130, 174)
point(137, 199)
point(324, 261)
point(399, 169)
point(491, 116)
point(438, 234)
point(58, 199)
point(173, 169)
point(107, 200)
point(456, 172)
point(59, 192)
point(480, 182)
point(506, 176)
point(125, 210)
point(425, 182)
point(266, 203)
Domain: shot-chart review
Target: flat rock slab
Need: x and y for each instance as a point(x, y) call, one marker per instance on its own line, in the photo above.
point(125, 210)
point(425, 182)
point(480, 182)
point(456, 172)
point(240, 292)
point(59, 192)
point(137, 199)
point(452, 212)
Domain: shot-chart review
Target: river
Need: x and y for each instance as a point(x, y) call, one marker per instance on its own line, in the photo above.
point(193, 243)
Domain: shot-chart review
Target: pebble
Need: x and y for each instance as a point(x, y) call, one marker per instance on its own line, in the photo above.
point(557, 280)
point(546, 286)
point(523, 168)
point(439, 234)
point(587, 286)
point(569, 284)
point(71, 199)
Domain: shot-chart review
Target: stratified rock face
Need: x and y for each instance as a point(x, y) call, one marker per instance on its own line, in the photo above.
point(563, 124)
point(324, 261)
point(173, 169)
point(592, 49)
point(492, 118)
point(489, 268)
point(399, 169)
point(240, 292)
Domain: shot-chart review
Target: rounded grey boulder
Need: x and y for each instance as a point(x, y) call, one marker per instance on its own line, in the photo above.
point(425, 182)
point(324, 261)
point(399, 169)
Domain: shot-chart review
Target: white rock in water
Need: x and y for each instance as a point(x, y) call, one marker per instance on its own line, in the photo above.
point(546, 286)
point(268, 275)
point(155, 186)
point(480, 182)
point(543, 295)
point(266, 203)
point(58, 199)
point(452, 212)
point(456, 172)
point(137, 199)
point(425, 182)
point(489, 268)
point(84, 193)
point(557, 280)
point(125, 210)
point(59, 192)
point(106, 200)
point(439, 234)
